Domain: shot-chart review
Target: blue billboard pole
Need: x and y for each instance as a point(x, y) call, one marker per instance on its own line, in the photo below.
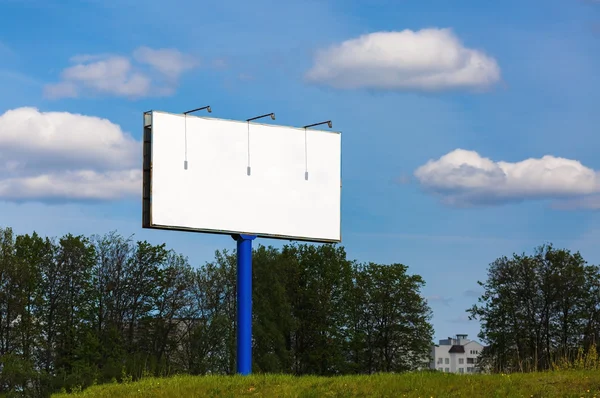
point(244, 303)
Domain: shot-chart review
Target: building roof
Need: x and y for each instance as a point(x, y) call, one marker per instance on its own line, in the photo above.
point(457, 349)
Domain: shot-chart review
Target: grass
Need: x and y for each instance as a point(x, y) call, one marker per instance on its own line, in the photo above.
point(568, 383)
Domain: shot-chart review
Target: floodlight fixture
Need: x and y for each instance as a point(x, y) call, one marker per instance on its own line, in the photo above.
point(261, 116)
point(328, 122)
point(199, 109)
point(318, 124)
point(185, 162)
point(272, 115)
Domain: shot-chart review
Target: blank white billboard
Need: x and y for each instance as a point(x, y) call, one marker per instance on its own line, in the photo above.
point(233, 177)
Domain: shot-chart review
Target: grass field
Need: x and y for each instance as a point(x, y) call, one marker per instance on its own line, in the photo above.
point(425, 385)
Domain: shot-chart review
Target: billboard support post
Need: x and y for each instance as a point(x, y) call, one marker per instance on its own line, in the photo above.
point(244, 303)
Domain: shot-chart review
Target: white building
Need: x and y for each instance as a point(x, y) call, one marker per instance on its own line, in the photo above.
point(455, 355)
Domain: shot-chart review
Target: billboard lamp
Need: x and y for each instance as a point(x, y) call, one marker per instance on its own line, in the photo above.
point(318, 124)
point(261, 116)
point(199, 109)
point(185, 161)
point(272, 115)
point(328, 122)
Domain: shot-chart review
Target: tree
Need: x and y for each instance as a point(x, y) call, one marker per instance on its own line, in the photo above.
point(272, 313)
point(209, 344)
point(536, 309)
point(319, 282)
point(394, 331)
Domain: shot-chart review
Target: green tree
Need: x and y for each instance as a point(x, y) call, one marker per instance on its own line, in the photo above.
point(319, 285)
point(210, 340)
point(536, 308)
point(391, 329)
point(74, 259)
point(400, 318)
point(272, 317)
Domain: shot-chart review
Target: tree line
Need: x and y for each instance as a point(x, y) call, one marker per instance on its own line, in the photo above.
point(79, 310)
point(538, 310)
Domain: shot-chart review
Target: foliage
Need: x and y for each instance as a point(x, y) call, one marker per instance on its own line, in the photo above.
point(79, 311)
point(584, 360)
point(538, 311)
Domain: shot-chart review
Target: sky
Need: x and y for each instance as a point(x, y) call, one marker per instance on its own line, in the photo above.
point(469, 129)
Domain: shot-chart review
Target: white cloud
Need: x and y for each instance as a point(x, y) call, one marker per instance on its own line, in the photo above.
point(65, 156)
point(117, 75)
point(168, 61)
point(72, 185)
point(428, 59)
point(465, 178)
point(113, 75)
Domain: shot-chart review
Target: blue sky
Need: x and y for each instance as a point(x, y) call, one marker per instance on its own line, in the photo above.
point(398, 108)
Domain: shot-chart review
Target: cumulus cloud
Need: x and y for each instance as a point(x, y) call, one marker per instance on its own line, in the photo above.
point(465, 178)
point(112, 75)
point(167, 61)
point(149, 72)
point(65, 156)
point(428, 60)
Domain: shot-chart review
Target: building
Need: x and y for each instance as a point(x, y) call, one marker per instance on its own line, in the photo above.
point(455, 355)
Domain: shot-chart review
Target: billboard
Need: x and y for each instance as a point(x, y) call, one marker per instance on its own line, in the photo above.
point(220, 176)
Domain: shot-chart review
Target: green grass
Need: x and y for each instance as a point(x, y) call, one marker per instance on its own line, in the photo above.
point(425, 385)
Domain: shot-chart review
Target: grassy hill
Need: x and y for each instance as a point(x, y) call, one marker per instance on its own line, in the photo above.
point(425, 385)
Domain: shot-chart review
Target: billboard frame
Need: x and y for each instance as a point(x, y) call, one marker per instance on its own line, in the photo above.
point(147, 188)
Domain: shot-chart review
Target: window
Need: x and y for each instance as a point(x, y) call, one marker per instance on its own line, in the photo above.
point(469, 370)
point(441, 369)
point(461, 361)
point(461, 370)
point(470, 361)
point(447, 370)
point(440, 360)
point(447, 361)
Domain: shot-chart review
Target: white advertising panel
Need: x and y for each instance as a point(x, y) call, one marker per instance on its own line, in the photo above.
point(233, 177)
